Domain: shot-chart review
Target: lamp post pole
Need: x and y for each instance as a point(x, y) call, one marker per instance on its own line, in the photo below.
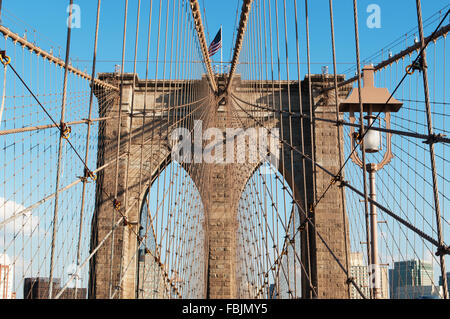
point(372, 144)
point(375, 271)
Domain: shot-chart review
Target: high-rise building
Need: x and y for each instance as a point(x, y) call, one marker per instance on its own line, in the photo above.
point(360, 273)
point(412, 279)
point(38, 288)
point(6, 278)
point(384, 282)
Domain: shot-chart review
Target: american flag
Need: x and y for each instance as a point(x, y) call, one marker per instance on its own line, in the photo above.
point(216, 44)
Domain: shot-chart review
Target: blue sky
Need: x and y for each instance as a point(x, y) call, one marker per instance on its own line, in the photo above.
point(48, 17)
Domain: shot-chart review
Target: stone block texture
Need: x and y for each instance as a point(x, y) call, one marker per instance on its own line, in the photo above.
point(113, 270)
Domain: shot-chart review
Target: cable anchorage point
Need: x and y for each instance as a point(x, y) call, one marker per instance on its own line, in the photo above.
point(65, 130)
point(443, 250)
point(434, 138)
point(416, 66)
point(4, 58)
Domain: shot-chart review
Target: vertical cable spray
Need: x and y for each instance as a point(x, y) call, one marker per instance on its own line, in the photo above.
point(196, 13)
point(283, 164)
point(119, 132)
point(336, 93)
point(291, 154)
point(86, 157)
point(362, 133)
point(307, 253)
point(174, 253)
point(61, 142)
point(245, 12)
point(432, 152)
point(149, 32)
point(311, 231)
point(130, 130)
point(130, 127)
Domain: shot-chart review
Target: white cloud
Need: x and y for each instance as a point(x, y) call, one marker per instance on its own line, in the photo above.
point(23, 224)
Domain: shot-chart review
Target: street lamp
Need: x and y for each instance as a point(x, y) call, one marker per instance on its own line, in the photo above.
point(374, 101)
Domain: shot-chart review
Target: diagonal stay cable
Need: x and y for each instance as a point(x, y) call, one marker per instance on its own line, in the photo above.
point(351, 187)
point(308, 219)
point(123, 216)
point(59, 126)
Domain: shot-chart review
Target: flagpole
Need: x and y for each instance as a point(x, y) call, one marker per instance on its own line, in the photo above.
point(221, 50)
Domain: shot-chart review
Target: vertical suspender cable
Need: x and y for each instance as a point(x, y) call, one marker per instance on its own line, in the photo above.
point(138, 281)
point(311, 231)
point(431, 146)
point(119, 126)
point(246, 6)
point(362, 133)
point(336, 93)
point(86, 157)
point(61, 142)
point(130, 130)
point(302, 131)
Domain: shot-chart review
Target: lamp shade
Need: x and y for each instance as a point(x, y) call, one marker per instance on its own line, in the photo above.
point(372, 141)
point(373, 99)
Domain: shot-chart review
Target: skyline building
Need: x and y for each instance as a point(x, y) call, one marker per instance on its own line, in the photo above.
point(360, 273)
point(384, 281)
point(412, 279)
point(6, 278)
point(38, 288)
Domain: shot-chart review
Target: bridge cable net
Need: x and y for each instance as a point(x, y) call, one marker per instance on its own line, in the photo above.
point(49, 234)
point(412, 219)
point(73, 188)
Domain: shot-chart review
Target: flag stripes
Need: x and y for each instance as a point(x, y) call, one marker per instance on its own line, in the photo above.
point(215, 46)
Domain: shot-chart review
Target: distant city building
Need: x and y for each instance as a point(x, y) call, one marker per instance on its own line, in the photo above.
point(359, 272)
point(6, 278)
point(38, 288)
point(384, 282)
point(391, 283)
point(412, 279)
point(441, 282)
point(417, 292)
